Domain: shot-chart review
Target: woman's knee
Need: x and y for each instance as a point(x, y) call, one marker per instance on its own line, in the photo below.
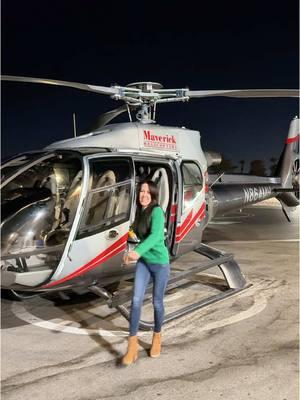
point(158, 304)
point(137, 301)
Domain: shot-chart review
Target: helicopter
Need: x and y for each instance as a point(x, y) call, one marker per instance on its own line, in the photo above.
point(67, 209)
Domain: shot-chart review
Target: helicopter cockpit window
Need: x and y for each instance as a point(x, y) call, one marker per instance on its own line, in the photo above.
point(106, 173)
point(108, 202)
point(38, 208)
point(192, 182)
point(11, 166)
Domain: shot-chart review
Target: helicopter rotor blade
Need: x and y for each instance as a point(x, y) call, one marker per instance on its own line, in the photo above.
point(150, 93)
point(246, 93)
point(91, 88)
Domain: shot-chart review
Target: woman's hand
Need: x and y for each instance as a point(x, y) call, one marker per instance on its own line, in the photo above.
point(131, 256)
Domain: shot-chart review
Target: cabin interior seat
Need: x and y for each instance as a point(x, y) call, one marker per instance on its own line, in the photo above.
point(160, 177)
point(50, 183)
point(122, 201)
point(72, 199)
point(103, 203)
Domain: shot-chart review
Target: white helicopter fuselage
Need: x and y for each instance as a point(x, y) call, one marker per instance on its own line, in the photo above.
point(93, 253)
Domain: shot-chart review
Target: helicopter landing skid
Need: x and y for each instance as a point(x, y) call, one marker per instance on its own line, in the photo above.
point(233, 282)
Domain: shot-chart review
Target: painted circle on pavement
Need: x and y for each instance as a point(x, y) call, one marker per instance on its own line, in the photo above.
point(65, 325)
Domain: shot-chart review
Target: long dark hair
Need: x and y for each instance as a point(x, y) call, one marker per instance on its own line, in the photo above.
point(142, 222)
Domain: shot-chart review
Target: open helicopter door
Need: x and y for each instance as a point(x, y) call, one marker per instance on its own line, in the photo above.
point(191, 213)
point(95, 254)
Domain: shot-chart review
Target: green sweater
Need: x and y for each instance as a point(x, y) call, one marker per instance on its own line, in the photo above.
point(152, 248)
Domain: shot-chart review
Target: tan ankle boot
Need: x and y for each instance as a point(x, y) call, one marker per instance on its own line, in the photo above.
point(156, 345)
point(132, 351)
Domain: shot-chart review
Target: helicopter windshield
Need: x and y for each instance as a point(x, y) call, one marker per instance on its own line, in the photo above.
point(38, 209)
point(11, 166)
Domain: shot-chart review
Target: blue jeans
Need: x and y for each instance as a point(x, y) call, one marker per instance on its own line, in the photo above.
point(160, 275)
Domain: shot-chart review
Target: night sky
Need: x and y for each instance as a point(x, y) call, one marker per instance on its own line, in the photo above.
point(218, 45)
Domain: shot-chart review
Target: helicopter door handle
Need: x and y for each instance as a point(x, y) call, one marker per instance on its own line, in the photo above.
point(112, 234)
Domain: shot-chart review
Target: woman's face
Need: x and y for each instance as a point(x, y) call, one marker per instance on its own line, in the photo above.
point(145, 195)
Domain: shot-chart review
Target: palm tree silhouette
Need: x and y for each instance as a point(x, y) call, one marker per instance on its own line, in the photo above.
point(242, 162)
point(273, 166)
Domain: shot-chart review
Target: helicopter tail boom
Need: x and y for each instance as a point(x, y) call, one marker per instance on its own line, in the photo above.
point(232, 192)
point(228, 197)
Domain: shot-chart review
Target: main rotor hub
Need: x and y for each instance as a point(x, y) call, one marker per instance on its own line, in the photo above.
point(145, 96)
point(145, 86)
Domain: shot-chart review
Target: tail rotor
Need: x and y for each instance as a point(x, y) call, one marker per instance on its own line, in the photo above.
point(289, 169)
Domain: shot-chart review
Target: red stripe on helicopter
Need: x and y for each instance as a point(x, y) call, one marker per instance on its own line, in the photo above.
point(183, 232)
point(293, 139)
point(185, 223)
point(111, 251)
point(173, 212)
point(189, 223)
point(206, 182)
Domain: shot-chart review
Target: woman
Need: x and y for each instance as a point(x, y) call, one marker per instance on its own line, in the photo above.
point(152, 261)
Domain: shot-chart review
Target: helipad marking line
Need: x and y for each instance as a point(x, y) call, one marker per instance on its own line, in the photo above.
point(19, 310)
point(260, 303)
point(172, 297)
point(224, 222)
point(257, 241)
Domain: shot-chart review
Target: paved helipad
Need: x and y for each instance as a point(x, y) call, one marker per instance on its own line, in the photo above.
point(244, 347)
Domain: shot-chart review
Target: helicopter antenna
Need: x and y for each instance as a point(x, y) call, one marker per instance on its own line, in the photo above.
point(129, 113)
point(74, 125)
point(154, 111)
point(219, 177)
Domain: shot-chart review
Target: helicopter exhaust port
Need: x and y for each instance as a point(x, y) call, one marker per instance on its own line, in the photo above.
point(213, 158)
